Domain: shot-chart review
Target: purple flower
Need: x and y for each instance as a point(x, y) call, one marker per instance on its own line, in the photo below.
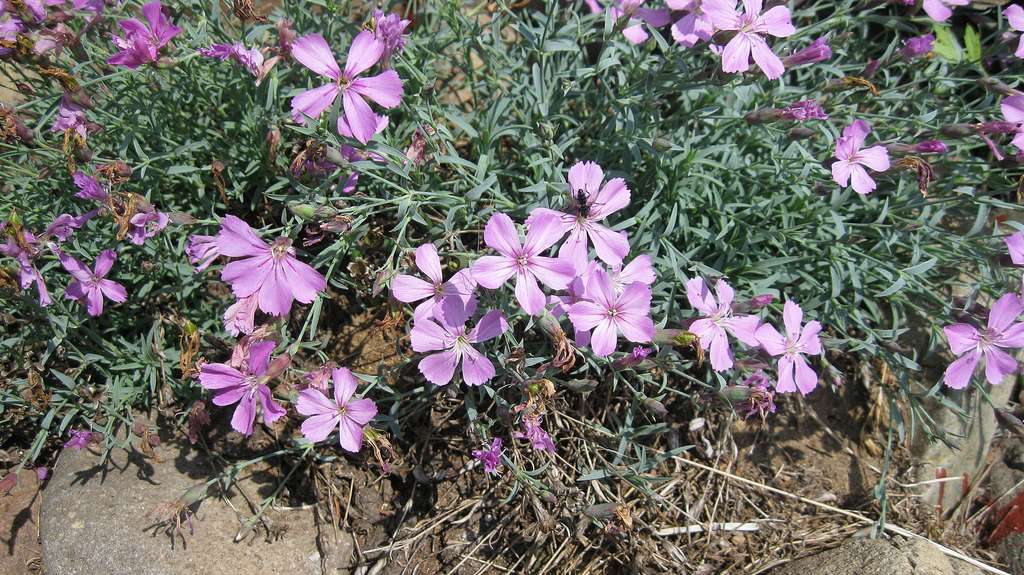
point(141, 45)
point(750, 28)
point(349, 416)
point(455, 345)
point(9, 30)
point(88, 187)
point(448, 298)
point(539, 439)
point(1015, 244)
point(1013, 112)
point(800, 340)
point(231, 385)
point(1015, 17)
point(53, 39)
point(389, 30)
point(589, 206)
point(633, 358)
point(146, 224)
point(249, 58)
point(851, 159)
point(971, 345)
point(491, 458)
point(70, 117)
point(272, 271)
point(640, 270)
point(817, 51)
point(940, 11)
point(42, 473)
point(523, 260)
point(25, 252)
point(92, 286)
point(65, 224)
point(608, 313)
point(719, 320)
point(79, 439)
point(637, 14)
point(693, 27)
point(202, 250)
point(760, 397)
point(917, 46)
point(385, 88)
point(804, 110)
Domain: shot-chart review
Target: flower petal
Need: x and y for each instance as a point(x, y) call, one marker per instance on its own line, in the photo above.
point(439, 368)
point(313, 52)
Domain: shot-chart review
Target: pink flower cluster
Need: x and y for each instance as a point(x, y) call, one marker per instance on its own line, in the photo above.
point(720, 320)
point(600, 302)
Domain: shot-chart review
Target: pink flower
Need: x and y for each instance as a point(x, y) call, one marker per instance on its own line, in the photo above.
point(971, 345)
point(608, 313)
point(1015, 17)
point(694, 26)
point(1015, 244)
point(318, 378)
point(523, 260)
point(637, 14)
point(640, 270)
point(589, 206)
point(491, 458)
point(800, 340)
point(272, 271)
point(249, 58)
point(243, 385)
point(202, 250)
point(385, 88)
point(92, 286)
point(1013, 112)
point(141, 45)
point(25, 252)
point(146, 224)
point(750, 27)
point(940, 11)
point(851, 159)
point(539, 439)
point(70, 117)
point(349, 416)
point(389, 30)
point(64, 225)
point(718, 320)
point(455, 345)
point(448, 298)
point(240, 317)
point(88, 187)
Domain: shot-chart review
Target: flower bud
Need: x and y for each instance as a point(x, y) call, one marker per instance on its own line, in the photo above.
point(655, 408)
point(800, 133)
point(278, 366)
point(957, 130)
point(817, 51)
point(580, 385)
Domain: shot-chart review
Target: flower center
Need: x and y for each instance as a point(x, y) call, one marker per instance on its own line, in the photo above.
point(344, 82)
point(280, 247)
point(342, 409)
point(747, 22)
point(521, 261)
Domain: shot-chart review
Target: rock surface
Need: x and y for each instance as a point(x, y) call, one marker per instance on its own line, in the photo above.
point(879, 557)
point(19, 526)
point(98, 518)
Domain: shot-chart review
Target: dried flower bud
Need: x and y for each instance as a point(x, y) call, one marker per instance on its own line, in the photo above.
point(580, 385)
point(278, 366)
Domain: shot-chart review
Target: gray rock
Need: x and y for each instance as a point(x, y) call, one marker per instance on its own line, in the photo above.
point(973, 441)
point(878, 557)
point(98, 518)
